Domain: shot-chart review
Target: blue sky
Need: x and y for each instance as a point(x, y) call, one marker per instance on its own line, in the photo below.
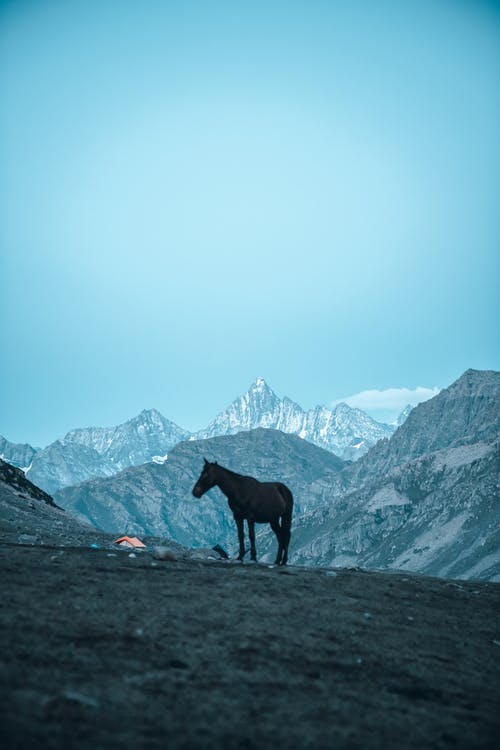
point(194, 194)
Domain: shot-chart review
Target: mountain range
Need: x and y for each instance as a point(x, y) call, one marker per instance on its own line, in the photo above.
point(343, 430)
point(93, 452)
point(104, 451)
point(426, 499)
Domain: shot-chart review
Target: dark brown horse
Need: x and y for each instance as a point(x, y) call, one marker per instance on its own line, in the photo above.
point(257, 502)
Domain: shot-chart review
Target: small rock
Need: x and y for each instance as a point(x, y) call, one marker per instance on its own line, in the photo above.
point(367, 615)
point(331, 573)
point(111, 554)
point(164, 553)
point(132, 554)
point(28, 539)
point(221, 551)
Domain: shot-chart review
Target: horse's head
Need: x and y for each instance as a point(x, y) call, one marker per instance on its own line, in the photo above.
point(206, 480)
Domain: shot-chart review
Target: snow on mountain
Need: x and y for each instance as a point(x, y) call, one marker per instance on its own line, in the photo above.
point(103, 451)
point(17, 454)
point(345, 431)
point(402, 417)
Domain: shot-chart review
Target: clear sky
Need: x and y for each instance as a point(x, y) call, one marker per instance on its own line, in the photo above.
point(193, 194)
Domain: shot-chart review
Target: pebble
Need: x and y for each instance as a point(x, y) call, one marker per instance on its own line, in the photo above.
point(331, 573)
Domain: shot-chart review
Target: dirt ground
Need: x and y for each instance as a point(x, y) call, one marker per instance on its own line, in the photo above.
point(129, 652)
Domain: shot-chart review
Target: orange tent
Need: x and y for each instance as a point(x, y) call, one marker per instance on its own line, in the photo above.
point(129, 541)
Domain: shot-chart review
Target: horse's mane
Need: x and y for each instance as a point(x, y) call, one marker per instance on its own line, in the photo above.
point(235, 474)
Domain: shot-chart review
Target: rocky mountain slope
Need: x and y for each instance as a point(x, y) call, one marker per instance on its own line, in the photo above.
point(438, 514)
point(156, 498)
point(466, 412)
point(345, 431)
point(28, 515)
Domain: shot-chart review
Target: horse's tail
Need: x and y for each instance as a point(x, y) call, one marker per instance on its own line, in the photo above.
point(286, 524)
point(286, 518)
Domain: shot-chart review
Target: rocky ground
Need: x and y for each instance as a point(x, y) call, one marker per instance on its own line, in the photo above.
point(103, 650)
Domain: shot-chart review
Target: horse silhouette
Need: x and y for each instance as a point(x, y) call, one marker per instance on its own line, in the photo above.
point(257, 502)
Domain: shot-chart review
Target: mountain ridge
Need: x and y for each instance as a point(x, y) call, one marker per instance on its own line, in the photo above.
point(89, 452)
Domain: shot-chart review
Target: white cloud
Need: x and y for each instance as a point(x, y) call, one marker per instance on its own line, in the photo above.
point(390, 401)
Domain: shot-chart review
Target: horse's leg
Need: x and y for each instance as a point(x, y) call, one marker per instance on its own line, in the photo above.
point(241, 536)
point(275, 525)
point(286, 526)
point(251, 534)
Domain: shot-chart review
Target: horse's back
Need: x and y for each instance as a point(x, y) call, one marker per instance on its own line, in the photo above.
point(286, 494)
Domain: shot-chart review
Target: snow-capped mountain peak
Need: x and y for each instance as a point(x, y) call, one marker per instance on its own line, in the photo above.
point(346, 431)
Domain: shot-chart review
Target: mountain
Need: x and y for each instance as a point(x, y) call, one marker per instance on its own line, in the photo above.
point(156, 498)
point(17, 454)
point(343, 430)
point(437, 514)
point(426, 500)
point(92, 452)
point(139, 440)
point(466, 412)
point(104, 451)
point(63, 463)
point(28, 515)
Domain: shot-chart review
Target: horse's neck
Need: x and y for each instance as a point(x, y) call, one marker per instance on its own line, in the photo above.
point(227, 481)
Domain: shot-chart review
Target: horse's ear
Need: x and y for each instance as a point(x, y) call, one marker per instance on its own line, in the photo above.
point(206, 462)
point(215, 463)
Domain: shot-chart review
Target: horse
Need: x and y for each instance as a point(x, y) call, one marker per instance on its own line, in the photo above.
point(257, 502)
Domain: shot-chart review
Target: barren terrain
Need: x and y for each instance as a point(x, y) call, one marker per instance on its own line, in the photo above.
point(104, 651)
